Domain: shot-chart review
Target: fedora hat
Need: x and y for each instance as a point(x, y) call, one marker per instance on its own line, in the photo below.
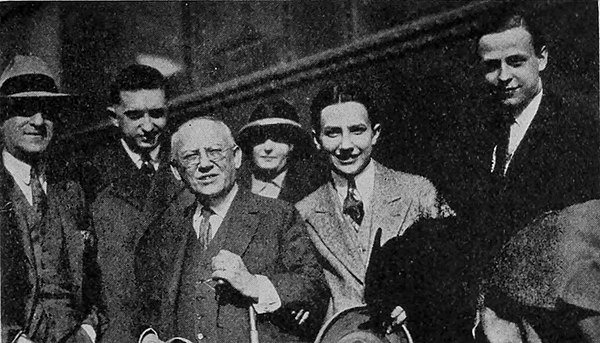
point(273, 119)
point(26, 77)
point(354, 325)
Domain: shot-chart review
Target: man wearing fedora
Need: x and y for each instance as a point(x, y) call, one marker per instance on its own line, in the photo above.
point(280, 164)
point(47, 242)
point(129, 181)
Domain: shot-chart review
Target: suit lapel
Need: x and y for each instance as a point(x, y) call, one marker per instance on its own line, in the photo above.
point(534, 137)
point(328, 224)
point(181, 227)
point(388, 214)
point(239, 226)
point(124, 181)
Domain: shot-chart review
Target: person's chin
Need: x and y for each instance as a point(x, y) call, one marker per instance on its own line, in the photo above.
point(36, 147)
point(147, 144)
point(267, 167)
point(348, 169)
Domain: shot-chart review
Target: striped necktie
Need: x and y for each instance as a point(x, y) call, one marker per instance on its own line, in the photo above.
point(205, 228)
point(353, 205)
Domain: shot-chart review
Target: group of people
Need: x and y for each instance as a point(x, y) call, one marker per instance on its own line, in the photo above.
point(196, 232)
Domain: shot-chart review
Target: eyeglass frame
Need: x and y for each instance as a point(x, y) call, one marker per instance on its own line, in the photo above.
point(222, 154)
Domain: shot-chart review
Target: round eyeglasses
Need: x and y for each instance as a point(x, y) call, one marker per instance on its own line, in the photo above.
point(191, 159)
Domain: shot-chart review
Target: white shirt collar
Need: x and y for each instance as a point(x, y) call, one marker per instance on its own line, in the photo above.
point(19, 170)
point(137, 158)
point(219, 209)
point(522, 122)
point(269, 189)
point(365, 182)
point(21, 173)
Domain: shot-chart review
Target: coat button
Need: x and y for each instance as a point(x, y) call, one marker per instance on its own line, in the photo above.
point(200, 336)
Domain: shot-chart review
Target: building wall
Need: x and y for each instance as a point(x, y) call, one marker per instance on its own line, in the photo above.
point(238, 53)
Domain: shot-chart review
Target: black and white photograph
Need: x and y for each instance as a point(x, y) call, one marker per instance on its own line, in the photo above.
point(318, 171)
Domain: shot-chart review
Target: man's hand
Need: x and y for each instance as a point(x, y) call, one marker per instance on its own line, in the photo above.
point(300, 316)
point(230, 267)
point(23, 339)
point(398, 316)
point(151, 338)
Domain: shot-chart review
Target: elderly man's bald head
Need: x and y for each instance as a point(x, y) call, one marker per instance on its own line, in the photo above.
point(205, 157)
point(197, 125)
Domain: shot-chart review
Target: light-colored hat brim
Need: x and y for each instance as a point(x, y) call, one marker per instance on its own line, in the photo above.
point(37, 94)
point(270, 121)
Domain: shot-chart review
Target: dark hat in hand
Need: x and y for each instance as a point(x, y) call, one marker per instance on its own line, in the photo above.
point(354, 325)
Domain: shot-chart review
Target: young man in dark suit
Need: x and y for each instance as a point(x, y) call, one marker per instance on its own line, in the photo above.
point(130, 182)
point(537, 150)
point(46, 239)
point(257, 247)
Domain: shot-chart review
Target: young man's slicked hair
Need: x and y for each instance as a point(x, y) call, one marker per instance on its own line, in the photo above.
point(337, 93)
point(134, 78)
point(511, 19)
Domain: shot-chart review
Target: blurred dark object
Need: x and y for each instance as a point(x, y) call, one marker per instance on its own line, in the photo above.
point(423, 271)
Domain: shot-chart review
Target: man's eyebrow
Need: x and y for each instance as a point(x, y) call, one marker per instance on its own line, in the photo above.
point(357, 126)
point(517, 57)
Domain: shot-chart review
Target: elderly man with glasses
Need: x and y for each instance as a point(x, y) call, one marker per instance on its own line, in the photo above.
point(228, 254)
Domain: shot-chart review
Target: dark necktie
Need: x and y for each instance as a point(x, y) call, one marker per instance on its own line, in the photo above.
point(353, 205)
point(205, 229)
point(147, 166)
point(502, 150)
point(38, 196)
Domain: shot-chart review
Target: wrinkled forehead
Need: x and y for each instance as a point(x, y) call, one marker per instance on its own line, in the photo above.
point(199, 134)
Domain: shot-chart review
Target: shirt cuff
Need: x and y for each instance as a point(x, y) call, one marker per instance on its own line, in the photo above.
point(268, 299)
point(147, 332)
point(90, 331)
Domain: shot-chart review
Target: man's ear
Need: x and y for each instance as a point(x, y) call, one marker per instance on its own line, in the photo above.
point(542, 58)
point(376, 132)
point(237, 157)
point(315, 137)
point(175, 172)
point(112, 113)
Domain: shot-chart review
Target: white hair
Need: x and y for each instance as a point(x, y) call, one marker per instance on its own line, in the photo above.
point(191, 124)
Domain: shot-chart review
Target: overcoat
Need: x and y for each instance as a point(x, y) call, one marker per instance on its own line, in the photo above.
point(125, 202)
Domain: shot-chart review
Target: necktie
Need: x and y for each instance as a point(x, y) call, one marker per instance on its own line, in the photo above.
point(39, 203)
point(38, 195)
point(353, 205)
point(205, 228)
point(502, 150)
point(147, 166)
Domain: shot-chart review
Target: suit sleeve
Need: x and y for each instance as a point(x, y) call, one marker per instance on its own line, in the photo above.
point(299, 280)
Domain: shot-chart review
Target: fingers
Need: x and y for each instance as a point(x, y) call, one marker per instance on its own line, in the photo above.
point(301, 316)
point(398, 316)
point(222, 274)
point(304, 318)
